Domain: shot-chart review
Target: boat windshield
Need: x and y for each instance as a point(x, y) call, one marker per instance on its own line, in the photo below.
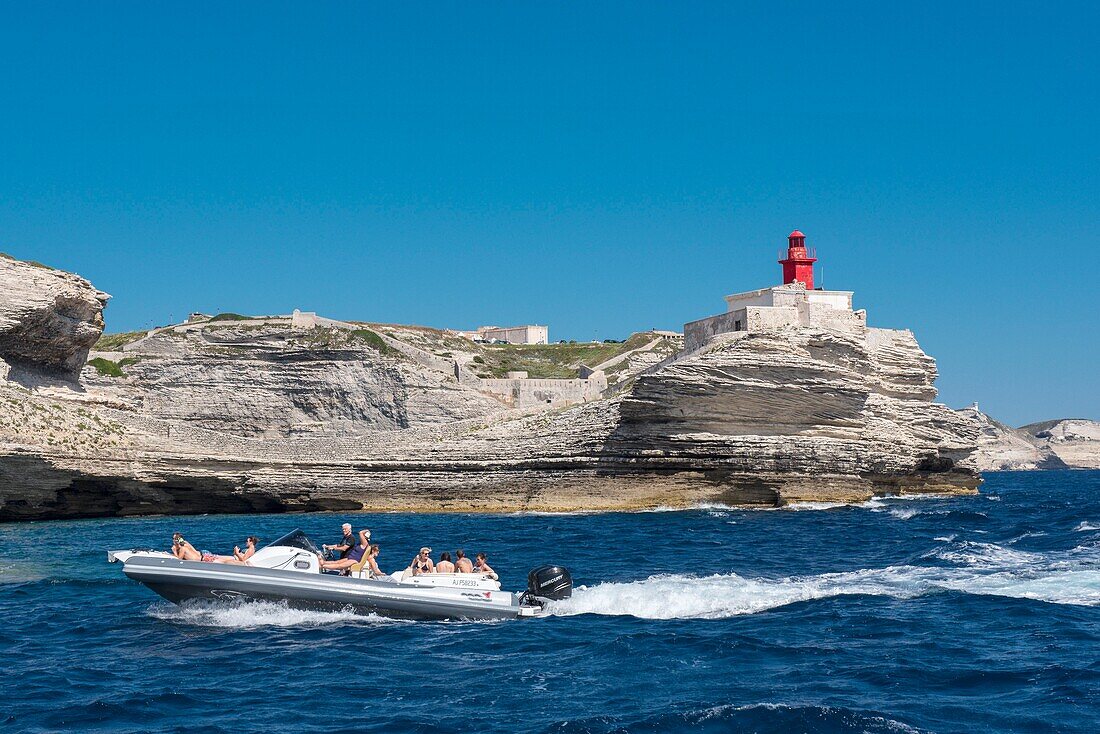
point(295, 539)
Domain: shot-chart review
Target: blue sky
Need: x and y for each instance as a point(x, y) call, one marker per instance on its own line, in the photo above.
point(600, 168)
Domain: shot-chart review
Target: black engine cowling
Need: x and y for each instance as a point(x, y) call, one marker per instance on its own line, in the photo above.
point(550, 582)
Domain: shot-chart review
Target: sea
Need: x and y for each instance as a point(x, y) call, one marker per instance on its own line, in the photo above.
point(963, 614)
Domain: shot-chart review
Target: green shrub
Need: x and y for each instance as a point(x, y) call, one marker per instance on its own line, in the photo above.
point(229, 317)
point(375, 342)
point(114, 342)
point(106, 367)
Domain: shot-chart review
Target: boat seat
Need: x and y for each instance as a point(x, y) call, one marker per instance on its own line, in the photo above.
point(356, 570)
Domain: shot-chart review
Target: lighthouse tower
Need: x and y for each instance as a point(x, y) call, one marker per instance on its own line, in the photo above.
point(799, 264)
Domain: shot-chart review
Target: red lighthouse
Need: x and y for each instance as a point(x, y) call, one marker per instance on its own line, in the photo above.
point(799, 264)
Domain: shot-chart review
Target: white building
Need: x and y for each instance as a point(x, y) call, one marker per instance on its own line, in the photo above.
point(790, 304)
point(530, 334)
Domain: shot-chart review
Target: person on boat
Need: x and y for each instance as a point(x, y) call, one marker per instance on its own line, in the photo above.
point(184, 551)
point(372, 562)
point(462, 563)
point(354, 555)
point(422, 563)
point(480, 566)
point(347, 542)
point(444, 565)
point(249, 551)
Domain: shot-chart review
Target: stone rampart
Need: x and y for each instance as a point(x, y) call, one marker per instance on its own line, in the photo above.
point(527, 392)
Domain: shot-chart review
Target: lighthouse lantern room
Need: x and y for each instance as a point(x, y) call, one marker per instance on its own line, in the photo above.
point(798, 266)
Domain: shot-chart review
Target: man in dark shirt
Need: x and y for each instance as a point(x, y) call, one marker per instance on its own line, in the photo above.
point(346, 543)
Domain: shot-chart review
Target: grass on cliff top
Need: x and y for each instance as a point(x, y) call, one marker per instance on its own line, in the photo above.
point(114, 342)
point(549, 361)
point(108, 368)
point(327, 337)
point(229, 317)
point(32, 263)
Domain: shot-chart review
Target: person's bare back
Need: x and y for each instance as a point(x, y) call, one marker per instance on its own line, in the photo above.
point(462, 563)
point(183, 550)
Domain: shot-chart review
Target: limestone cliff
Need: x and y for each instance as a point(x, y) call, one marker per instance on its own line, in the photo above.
point(257, 415)
point(1055, 444)
point(1001, 447)
point(817, 412)
point(49, 319)
point(1076, 441)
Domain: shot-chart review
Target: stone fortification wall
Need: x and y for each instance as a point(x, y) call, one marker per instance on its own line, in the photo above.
point(697, 333)
point(762, 318)
point(827, 316)
point(751, 318)
point(527, 392)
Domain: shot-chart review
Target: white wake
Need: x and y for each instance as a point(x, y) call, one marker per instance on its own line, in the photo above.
point(978, 568)
point(256, 614)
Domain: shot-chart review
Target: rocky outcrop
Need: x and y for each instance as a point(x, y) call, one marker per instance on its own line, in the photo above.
point(1003, 448)
point(805, 407)
point(272, 380)
point(49, 319)
point(1065, 443)
point(1076, 441)
point(263, 416)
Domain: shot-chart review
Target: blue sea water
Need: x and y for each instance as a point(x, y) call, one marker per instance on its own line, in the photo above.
point(973, 614)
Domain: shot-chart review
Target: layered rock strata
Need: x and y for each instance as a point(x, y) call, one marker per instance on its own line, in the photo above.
point(49, 319)
point(265, 417)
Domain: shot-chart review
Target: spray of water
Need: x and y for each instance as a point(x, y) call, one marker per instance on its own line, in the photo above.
point(977, 568)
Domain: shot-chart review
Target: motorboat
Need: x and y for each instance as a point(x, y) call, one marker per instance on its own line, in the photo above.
point(288, 570)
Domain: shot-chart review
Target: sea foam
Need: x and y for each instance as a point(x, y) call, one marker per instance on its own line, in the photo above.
point(256, 614)
point(978, 568)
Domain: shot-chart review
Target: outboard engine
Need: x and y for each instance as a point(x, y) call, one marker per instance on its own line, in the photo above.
point(550, 583)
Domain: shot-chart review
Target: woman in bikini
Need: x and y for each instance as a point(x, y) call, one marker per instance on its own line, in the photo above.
point(422, 563)
point(481, 566)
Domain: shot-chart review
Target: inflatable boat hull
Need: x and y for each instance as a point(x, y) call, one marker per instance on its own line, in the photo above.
point(180, 581)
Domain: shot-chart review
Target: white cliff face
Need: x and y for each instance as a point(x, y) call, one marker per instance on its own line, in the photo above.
point(806, 402)
point(49, 319)
point(262, 416)
point(1068, 443)
point(1075, 441)
point(1003, 448)
point(271, 380)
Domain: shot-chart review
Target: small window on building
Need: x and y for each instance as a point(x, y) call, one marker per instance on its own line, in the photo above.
point(737, 325)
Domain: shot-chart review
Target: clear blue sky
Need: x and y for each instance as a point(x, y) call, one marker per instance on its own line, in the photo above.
point(600, 168)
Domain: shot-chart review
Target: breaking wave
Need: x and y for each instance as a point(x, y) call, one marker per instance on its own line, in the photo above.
point(978, 568)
